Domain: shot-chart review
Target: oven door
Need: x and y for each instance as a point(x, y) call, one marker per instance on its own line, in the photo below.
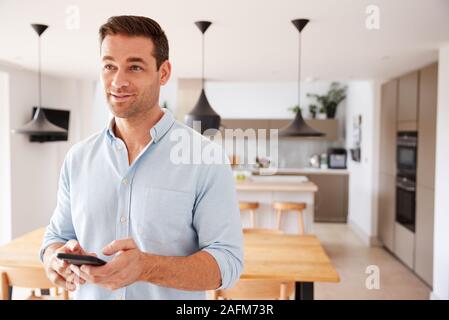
point(405, 203)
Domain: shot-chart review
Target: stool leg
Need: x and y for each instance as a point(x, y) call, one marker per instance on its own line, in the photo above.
point(278, 219)
point(253, 219)
point(300, 222)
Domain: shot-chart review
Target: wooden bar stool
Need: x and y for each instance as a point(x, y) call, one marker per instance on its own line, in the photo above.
point(249, 206)
point(282, 207)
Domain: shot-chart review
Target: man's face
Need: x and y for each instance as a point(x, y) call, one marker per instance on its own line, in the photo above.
point(130, 76)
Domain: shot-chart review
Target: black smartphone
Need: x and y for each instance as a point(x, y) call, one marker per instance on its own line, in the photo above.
point(79, 260)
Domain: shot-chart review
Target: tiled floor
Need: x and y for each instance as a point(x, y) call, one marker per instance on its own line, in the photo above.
point(351, 257)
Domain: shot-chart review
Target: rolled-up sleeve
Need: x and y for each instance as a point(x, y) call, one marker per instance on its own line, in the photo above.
point(61, 227)
point(216, 218)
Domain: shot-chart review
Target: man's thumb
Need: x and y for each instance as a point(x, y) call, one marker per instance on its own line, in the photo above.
point(119, 245)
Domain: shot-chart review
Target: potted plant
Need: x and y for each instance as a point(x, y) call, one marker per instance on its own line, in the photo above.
point(332, 99)
point(322, 113)
point(313, 110)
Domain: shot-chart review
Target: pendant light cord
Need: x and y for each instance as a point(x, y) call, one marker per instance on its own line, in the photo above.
point(40, 75)
point(299, 74)
point(202, 66)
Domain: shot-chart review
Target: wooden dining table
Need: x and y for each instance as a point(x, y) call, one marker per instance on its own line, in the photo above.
point(286, 257)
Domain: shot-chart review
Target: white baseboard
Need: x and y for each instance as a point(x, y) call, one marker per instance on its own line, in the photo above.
point(367, 239)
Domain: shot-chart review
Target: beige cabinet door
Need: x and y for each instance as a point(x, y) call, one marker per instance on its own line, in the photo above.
point(387, 209)
point(427, 126)
point(408, 97)
point(387, 152)
point(424, 233)
point(331, 199)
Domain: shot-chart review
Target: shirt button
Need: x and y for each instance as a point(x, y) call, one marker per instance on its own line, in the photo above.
point(122, 219)
point(119, 147)
point(125, 181)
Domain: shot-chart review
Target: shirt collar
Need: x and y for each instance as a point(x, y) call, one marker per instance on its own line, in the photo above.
point(156, 132)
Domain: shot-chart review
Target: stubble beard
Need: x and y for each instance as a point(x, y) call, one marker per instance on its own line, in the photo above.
point(137, 107)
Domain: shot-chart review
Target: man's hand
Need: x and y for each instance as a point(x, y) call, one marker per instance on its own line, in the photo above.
point(57, 270)
point(125, 269)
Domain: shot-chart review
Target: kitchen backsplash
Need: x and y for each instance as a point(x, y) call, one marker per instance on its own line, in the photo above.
point(294, 153)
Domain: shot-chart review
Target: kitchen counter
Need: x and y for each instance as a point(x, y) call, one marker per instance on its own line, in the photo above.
point(267, 189)
point(249, 185)
point(307, 171)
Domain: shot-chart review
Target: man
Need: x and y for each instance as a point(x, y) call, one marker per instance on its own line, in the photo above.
point(167, 231)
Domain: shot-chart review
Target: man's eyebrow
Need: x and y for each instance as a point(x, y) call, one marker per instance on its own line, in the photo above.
point(136, 59)
point(130, 59)
point(107, 58)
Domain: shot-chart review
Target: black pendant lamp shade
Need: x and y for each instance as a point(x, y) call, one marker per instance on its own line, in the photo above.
point(298, 127)
point(202, 111)
point(39, 125)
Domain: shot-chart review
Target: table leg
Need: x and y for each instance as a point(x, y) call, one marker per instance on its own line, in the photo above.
point(304, 291)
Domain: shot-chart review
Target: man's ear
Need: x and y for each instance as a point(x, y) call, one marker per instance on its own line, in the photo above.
point(165, 72)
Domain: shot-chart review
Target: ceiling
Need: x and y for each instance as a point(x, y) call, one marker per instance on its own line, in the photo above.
point(249, 40)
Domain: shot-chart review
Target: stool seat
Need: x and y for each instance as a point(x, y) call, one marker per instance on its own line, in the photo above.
point(248, 205)
point(289, 205)
point(283, 207)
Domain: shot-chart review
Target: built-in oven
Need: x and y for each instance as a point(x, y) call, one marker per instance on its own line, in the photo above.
point(406, 201)
point(407, 152)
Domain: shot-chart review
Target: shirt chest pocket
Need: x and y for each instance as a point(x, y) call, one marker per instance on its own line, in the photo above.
point(165, 215)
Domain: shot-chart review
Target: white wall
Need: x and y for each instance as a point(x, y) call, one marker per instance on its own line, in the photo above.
point(260, 99)
point(363, 99)
point(35, 167)
point(5, 161)
point(441, 223)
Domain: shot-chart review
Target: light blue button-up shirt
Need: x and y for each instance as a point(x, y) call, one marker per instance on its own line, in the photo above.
point(167, 208)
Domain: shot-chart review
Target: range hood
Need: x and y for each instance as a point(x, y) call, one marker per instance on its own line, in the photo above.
point(298, 127)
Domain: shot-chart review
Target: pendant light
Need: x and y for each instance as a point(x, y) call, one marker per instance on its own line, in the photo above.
point(298, 127)
point(39, 125)
point(202, 111)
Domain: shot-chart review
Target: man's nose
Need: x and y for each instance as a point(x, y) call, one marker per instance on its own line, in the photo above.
point(119, 80)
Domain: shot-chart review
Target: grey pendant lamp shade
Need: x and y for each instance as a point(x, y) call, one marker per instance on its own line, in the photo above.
point(202, 111)
point(39, 125)
point(298, 127)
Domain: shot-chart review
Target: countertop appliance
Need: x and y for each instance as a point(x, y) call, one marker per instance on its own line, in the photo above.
point(337, 158)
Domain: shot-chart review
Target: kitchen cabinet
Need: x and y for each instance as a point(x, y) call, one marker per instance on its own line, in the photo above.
point(424, 234)
point(425, 191)
point(427, 126)
point(331, 200)
point(388, 115)
point(387, 163)
point(408, 98)
point(387, 210)
point(404, 245)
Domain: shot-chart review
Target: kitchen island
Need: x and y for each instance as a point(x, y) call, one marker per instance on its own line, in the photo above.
point(267, 189)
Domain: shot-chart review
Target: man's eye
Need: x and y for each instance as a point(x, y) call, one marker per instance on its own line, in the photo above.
point(108, 67)
point(136, 68)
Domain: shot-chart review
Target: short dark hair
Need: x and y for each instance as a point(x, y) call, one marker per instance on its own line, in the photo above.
point(138, 26)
